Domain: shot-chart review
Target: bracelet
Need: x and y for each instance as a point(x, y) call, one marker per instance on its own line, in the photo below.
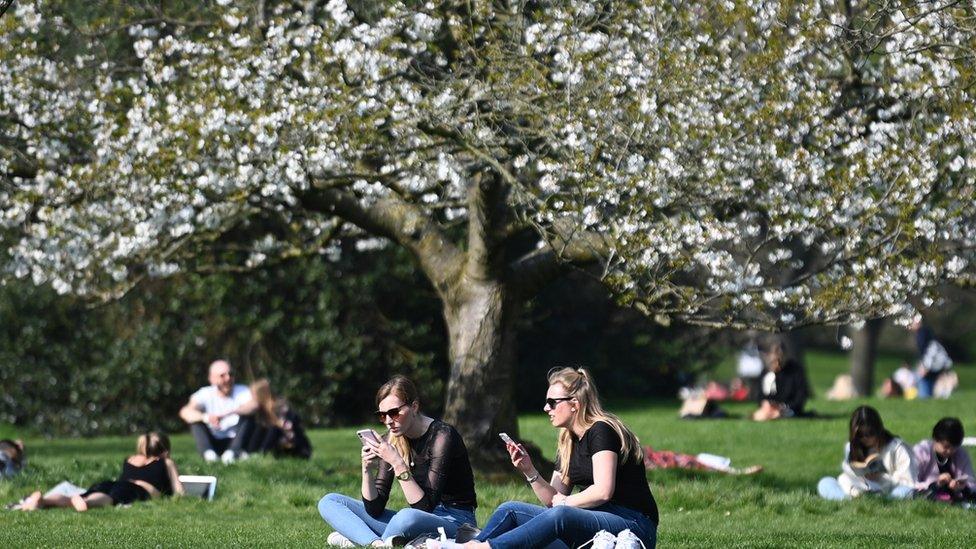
point(532, 479)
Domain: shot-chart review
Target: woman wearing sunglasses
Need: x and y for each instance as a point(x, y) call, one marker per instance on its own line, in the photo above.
point(429, 461)
point(597, 454)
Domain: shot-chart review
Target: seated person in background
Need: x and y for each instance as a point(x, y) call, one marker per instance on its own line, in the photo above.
point(11, 457)
point(933, 360)
point(784, 386)
point(279, 429)
point(875, 461)
point(149, 473)
point(945, 472)
point(749, 367)
point(220, 415)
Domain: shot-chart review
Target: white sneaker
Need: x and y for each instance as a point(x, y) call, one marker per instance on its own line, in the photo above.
point(227, 457)
point(244, 455)
point(336, 539)
point(602, 540)
point(628, 540)
point(209, 456)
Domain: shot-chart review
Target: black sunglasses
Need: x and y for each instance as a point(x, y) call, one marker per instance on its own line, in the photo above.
point(393, 413)
point(552, 402)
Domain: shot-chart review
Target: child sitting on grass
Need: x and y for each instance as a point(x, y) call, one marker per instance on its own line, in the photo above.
point(147, 474)
point(945, 472)
point(875, 461)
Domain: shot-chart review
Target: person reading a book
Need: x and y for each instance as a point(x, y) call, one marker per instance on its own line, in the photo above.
point(875, 462)
point(220, 415)
point(945, 472)
point(596, 453)
point(149, 473)
point(428, 460)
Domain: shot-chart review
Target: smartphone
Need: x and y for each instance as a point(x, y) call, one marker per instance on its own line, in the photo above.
point(368, 434)
point(508, 440)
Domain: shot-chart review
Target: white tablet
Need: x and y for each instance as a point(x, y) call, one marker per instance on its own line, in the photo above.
point(203, 486)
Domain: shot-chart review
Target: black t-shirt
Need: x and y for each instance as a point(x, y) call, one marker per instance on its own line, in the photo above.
point(154, 472)
point(439, 464)
point(631, 488)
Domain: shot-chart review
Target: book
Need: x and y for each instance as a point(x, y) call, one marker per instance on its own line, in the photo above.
point(871, 465)
point(202, 486)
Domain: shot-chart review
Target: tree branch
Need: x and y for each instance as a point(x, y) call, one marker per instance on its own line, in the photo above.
point(486, 225)
point(565, 244)
point(399, 221)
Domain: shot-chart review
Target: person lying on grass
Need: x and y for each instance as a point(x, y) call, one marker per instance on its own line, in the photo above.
point(875, 462)
point(147, 474)
point(945, 472)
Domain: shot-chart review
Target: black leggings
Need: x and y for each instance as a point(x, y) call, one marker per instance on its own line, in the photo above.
point(122, 492)
point(206, 441)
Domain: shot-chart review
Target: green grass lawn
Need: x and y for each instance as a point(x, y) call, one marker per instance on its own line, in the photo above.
point(263, 502)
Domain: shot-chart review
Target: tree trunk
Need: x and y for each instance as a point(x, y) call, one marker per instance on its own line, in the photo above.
point(863, 355)
point(480, 322)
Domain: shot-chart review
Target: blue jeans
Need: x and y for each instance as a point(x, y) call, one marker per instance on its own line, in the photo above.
point(348, 516)
point(518, 524)
point(829, 488)
point(926, 384)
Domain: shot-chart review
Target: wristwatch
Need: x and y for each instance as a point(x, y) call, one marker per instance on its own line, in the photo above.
point(404, 475)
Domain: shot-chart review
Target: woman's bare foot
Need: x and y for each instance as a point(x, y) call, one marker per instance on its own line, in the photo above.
point(79, 503)
point(31, 502)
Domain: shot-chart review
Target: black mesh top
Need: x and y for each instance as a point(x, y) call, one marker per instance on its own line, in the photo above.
point(154, 473)
point(439, 464)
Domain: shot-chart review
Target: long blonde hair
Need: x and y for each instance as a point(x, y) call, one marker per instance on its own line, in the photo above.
point(406, 391)
point(267, 403)
point(579, 385)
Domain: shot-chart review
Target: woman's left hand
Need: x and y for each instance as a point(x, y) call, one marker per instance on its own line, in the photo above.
point(559, 499)
point(387, 453)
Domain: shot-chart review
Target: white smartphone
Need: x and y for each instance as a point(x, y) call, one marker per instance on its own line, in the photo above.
point(368, 434)
point(508, 440)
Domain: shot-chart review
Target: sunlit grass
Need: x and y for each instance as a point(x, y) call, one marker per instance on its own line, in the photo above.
point(263, 502)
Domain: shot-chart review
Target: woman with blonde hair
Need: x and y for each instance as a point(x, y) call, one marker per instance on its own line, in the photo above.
point(149, 473)
point(279, 428)
point(596, 453)
point(425, 456)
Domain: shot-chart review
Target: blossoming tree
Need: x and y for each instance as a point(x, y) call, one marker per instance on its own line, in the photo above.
point(729, 163)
